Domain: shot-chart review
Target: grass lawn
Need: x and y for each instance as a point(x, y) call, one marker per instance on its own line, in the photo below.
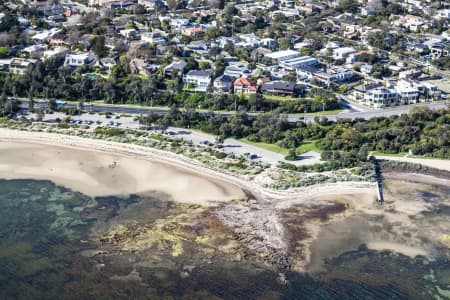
point(308, 146)
point(280, 98)
point(401, 154)
point(304, 147)
point(271, 147)
point(327, 112)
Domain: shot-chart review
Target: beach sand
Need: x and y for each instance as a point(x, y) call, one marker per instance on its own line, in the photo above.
point(97, 173)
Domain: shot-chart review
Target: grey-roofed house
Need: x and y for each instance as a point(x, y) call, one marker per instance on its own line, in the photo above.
point(278, 87)
point(223, 83)
point(175, 68)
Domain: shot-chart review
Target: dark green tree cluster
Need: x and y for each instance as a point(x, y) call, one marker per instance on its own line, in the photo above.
point(421, 132)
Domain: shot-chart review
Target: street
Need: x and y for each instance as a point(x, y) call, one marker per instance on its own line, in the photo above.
point(351, 114)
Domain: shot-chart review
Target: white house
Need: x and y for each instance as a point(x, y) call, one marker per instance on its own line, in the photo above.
point(407, 92)
point(237, 70)
point(337, 75)
point(20, 65)
point(179, 22)
point(55, 52)
point(283, 55)
point(343, 52)
point(153, 37)
point(79, 59)
point(380, 97)
point(199, 79)
point(442, 14)
point(298, 62)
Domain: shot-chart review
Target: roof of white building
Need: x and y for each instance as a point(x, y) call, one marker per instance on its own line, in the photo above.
point(282, 54)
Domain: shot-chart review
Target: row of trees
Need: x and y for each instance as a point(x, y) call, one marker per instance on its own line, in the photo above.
point(422, 132)
point(52, 80)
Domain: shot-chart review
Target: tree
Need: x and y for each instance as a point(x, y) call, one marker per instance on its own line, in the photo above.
point(203, 65)
point(350, 6)
point(292, 154)
point(8, 22)
point(4, 50)
point(99, 46)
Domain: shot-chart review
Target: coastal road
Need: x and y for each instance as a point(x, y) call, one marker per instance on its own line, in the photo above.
point(136, 110)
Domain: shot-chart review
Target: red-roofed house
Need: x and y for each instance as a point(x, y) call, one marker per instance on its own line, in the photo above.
point(244, 85)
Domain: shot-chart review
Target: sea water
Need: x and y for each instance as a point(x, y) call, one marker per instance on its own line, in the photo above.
point(46, 231)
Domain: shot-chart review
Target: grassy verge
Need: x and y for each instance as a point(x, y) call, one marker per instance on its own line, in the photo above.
point(307, 146)
point(304, 147)
point(378, 153)
point(271, 147)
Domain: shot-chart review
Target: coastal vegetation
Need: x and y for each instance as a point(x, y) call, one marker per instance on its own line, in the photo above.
point(273, 177)
point(421, 132)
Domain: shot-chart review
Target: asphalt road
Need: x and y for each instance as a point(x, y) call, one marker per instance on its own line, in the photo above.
point(350, 114)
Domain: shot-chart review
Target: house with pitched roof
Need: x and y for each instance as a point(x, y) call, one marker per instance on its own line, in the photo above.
point(244, 85)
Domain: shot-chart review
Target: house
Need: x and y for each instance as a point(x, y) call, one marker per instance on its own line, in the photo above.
point(291, 60)
point(199, 79)
point(380, 97)
point(336, 75)
point(283, 55)
point(20, 65)
point(58, 39)
point(278, 87)
point(55, 52)
point(107, 63)
point(34, 51)
point(237, 70)
point(102, 3)
point(440, 49)
point(39, 4)
point(79, 59)
point(153, 37)
point(43, 36)
point(151, 4)
point(258, 53)
point(298, 62)
point(194, 32)
point(4, 64)
point(343, 52)
point(138, 66)
point(175, 68)
point(366, 69)
point(129, 33)
point(359, 91)
point(409, 74)
point(248, 41)
point(442, 14)
point(223, 83)
point(243, 85)
point(412, 22)
point(407, 92)
point(179, 22)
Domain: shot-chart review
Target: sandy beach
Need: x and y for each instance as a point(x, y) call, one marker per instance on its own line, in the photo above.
point(82, 165)
point(136, 162)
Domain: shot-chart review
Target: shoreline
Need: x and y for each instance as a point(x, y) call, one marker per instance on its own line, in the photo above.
point(288, 197)
point(255, 213)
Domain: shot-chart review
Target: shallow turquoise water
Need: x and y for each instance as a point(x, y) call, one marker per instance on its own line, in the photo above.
point(44, 231)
